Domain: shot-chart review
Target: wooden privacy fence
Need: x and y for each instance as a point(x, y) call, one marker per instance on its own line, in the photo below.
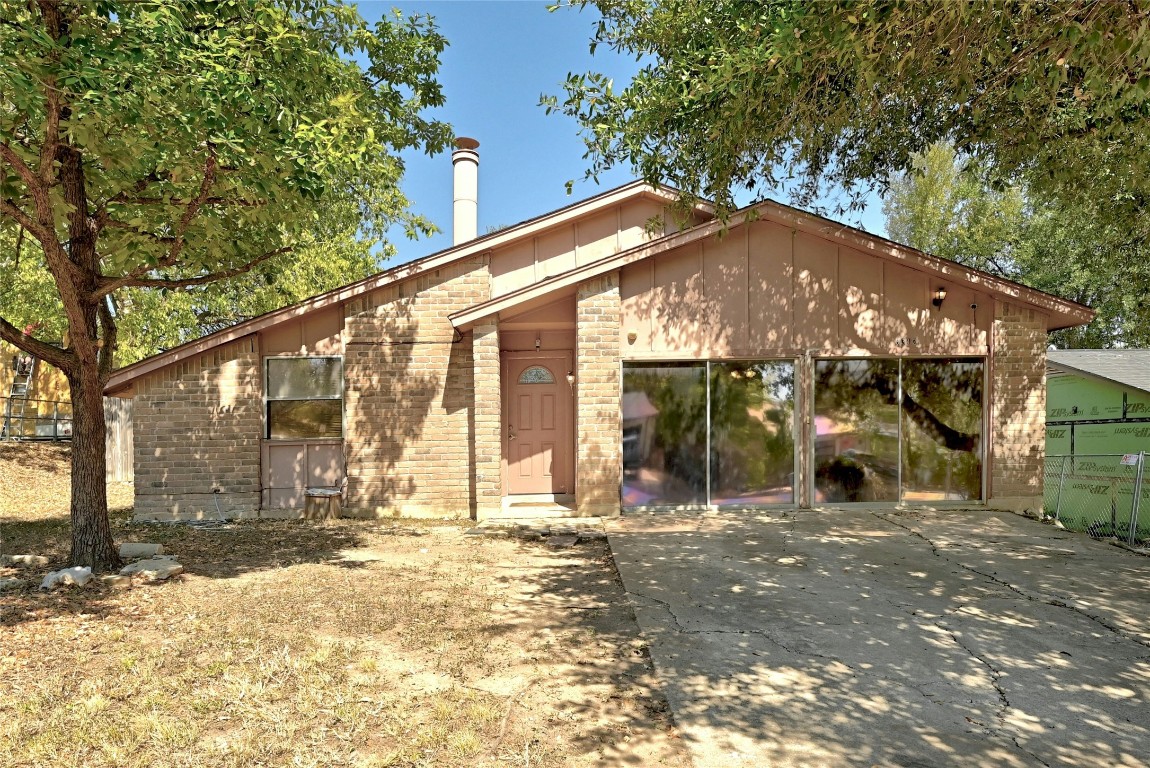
point(118, 417)
point(24, 419)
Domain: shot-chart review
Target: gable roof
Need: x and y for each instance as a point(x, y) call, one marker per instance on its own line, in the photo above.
point(1063, 313)
point(123, 377)
point(1130, 367)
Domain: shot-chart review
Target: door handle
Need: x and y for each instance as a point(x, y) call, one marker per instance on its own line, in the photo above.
point(510, 432)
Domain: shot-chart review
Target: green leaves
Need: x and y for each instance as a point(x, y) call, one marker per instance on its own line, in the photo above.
point(750, 95)
point(949, 207)
point(211, 133)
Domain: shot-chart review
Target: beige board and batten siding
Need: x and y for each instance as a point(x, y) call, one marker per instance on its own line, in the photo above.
point(766, 290)
point(577, 243)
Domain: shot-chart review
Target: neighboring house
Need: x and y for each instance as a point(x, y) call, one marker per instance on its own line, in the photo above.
point(576, 363)
point(1097, 401)
point(35, 404)
point(34, 400)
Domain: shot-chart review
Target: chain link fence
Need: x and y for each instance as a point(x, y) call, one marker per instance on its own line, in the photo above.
point(24, 419)
point(1102, 495)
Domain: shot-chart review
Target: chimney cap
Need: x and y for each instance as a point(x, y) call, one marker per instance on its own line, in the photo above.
point(465, 143)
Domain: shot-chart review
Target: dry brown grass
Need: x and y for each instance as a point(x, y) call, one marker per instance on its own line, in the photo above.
point(354, 643)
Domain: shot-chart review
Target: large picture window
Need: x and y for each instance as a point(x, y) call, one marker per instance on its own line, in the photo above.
point(708, 433)
point(752, 432)
point(898, 430)
point(304, 397)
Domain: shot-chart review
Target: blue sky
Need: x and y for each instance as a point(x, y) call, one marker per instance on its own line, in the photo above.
point(503, 55)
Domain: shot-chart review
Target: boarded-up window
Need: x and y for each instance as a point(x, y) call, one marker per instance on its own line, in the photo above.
point(304, 397)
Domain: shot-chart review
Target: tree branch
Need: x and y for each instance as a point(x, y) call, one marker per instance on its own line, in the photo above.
point(61, 358)
point(109, 336)
point(10, 208)
point(193, 207)
point(209, 201)
point(131, 280)
point(113, 224)
point(22, 170)
point(53, 22)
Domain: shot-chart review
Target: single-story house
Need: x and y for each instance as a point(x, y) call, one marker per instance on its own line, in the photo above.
point(1097, 401)
point(588, 361)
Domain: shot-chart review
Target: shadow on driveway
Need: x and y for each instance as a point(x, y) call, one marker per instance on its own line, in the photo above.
point(892, 637)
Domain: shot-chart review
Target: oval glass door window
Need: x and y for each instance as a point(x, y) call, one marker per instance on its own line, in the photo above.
point(536, 374)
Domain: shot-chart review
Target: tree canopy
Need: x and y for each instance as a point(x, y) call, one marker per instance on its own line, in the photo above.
point(798, 94)
point(948, 206)
point(159, 145)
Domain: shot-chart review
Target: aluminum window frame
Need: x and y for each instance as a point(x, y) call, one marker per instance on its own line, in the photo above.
point(983, 448)
point(267, 399)
point(796, 430)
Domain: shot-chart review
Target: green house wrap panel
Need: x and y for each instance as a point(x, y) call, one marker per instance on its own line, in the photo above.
point(1075, 398)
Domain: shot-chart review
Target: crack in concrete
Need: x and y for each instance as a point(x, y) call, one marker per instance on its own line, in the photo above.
point(1051, 601)
point(857, 671)
point(995, 677)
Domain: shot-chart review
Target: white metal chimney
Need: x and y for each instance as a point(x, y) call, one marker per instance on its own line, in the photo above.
point(466, 201)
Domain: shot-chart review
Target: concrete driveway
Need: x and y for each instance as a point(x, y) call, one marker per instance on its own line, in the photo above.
point(935, 638)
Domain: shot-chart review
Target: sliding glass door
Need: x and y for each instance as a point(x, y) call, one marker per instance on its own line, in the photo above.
point(752, 433)
point(664, 434)
point(856, 430)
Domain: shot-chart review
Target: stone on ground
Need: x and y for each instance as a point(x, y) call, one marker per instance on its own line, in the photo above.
point(29, 560)
point(115, 580)
point(562, 542)
point(11, 584)
point(76, 576)
point(130, 550)
point(153, 569)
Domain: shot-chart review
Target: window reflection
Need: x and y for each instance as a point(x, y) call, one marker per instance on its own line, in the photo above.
point(942, 430)
point(752, 432)
point(856, 430)
point(664, 434)
point(860, 420)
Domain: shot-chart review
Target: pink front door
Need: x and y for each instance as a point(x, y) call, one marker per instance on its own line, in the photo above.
point(537, 424)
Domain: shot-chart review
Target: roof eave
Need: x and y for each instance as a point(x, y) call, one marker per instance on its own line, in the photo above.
point(1061, 313)
point(122, 378)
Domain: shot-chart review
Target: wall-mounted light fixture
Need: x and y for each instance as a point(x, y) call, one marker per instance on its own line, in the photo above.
point(631, 337)
point(571, 378)
point(939, 295)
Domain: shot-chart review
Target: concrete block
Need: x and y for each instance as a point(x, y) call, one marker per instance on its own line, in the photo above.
point(138, 550)
point(8, 585)
point(31, 561)
point(157, 569)
point(115, 580)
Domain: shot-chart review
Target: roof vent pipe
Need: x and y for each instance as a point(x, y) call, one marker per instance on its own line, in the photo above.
point(466, 201)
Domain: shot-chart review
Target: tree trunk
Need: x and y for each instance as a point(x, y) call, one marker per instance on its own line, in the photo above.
point(91, 530)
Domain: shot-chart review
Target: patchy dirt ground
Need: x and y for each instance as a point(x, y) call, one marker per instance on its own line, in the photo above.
point(351, 643)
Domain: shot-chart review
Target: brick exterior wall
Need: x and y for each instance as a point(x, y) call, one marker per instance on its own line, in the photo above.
point(1018, 407)
point(488, 422)
point(197, 427)
point(409, 396)
point(598, 420)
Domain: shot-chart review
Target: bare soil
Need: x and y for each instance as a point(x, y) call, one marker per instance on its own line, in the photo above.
point(349, 643)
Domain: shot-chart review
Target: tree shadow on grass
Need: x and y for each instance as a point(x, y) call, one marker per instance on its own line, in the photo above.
point(229, 550)
point(42, 457)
